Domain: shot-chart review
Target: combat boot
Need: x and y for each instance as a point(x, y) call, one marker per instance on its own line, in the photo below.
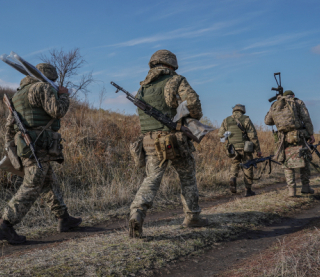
point(307, 189)
point(233, 184)
point(135, 225)
point(292, 191)
point(194, 220)
point(67, 222)
point(8, 233)
point(249, 192)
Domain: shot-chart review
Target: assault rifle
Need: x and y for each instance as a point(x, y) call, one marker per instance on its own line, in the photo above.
point(279, 89)
point(149, 110)
point(254, 162)
point(21, 127)
point(311, 147)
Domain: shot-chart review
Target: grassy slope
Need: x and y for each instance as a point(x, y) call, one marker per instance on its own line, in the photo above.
point(114, 254)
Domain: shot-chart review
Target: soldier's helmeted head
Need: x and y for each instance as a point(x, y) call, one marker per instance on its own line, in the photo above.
point(239, 107)
point(48, 70)
point(288, 92)
point(164, 57)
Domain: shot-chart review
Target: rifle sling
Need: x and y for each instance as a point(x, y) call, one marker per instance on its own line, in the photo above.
point(242, 129)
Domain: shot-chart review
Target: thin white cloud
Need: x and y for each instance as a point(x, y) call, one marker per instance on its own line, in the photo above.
point(119, 100)
point(198, 68)
point(175, 34)
point(277, 40)
point(316, 49)
point(311, 103)
point(38, 52)
point(8, 84)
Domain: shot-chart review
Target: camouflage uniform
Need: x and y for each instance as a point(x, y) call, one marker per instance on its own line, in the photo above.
point(176, 89)
point(37, 182)
point(242, 156)
point(297, 118)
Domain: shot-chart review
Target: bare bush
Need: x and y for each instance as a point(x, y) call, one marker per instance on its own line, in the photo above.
point(68, 65)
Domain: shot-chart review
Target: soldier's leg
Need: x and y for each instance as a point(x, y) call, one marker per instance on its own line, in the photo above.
point(291, 181)
point(186, 168)
point(29, 191)
point(248, 175)
point(52, 195)
point(234, 171)
point(149, 187)
point(305, 173)
point(145, 195)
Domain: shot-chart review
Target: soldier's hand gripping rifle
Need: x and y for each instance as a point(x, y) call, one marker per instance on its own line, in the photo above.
point(254, 162)
point(21, 127)
point(149, 110)
point(279, 89)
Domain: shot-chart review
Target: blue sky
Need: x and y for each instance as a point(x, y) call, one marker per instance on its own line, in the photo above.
point(228, 50)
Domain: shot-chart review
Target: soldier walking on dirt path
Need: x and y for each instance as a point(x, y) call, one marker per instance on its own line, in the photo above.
point(164, 89)
point(292, 119)
point(240, 146)
point(40, 108)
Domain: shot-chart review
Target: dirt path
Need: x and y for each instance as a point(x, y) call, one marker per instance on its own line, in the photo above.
point(226, 255)
point(116, 224)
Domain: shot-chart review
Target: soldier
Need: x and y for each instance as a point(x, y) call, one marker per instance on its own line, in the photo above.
point(239, 141)
point(164, 89)
point(40, 108)
point(292, 119)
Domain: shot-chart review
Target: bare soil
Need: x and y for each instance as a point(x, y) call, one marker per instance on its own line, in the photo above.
point(240, 252)
point(118, 224)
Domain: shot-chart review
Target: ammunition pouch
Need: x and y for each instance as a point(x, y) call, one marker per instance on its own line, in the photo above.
point(293, 137)
point(47, 141)
point(230, 151)
point(13, 156)
point(164, 145)
point(248, 147)
point(137, 152)
point(55, 147)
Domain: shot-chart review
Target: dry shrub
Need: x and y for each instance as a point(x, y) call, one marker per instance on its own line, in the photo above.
point(98, 173)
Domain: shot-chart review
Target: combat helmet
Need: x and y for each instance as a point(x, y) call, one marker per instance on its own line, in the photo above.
point(164, 57)
point(239, 107)
point(48, 70)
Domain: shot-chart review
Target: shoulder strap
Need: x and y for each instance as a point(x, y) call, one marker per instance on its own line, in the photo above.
point(243, 130)
point(45, 128)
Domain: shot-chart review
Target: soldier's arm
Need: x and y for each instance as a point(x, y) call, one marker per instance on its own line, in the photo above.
point(252, 134)
point(9, 127)
point(178, 87)
point(43, 95)
point(305, 116)
point(222, 129)
point(268, 120)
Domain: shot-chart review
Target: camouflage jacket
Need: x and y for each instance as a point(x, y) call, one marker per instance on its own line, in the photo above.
point(40, 95)
point(300, 110)
point(176, 90)
point(248, 125)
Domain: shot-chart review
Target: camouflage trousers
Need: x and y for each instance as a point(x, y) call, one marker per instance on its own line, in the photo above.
point(242, 157)
point(186, 170)
point(35, 183)
point(304, 175)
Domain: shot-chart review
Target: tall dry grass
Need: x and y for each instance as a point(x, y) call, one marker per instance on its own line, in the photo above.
point(99, 176)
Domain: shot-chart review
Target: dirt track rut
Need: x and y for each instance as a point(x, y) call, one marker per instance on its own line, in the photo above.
point(115, 224)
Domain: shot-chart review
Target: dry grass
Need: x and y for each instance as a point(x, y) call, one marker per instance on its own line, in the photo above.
point(98, 177)
point(114, 254)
